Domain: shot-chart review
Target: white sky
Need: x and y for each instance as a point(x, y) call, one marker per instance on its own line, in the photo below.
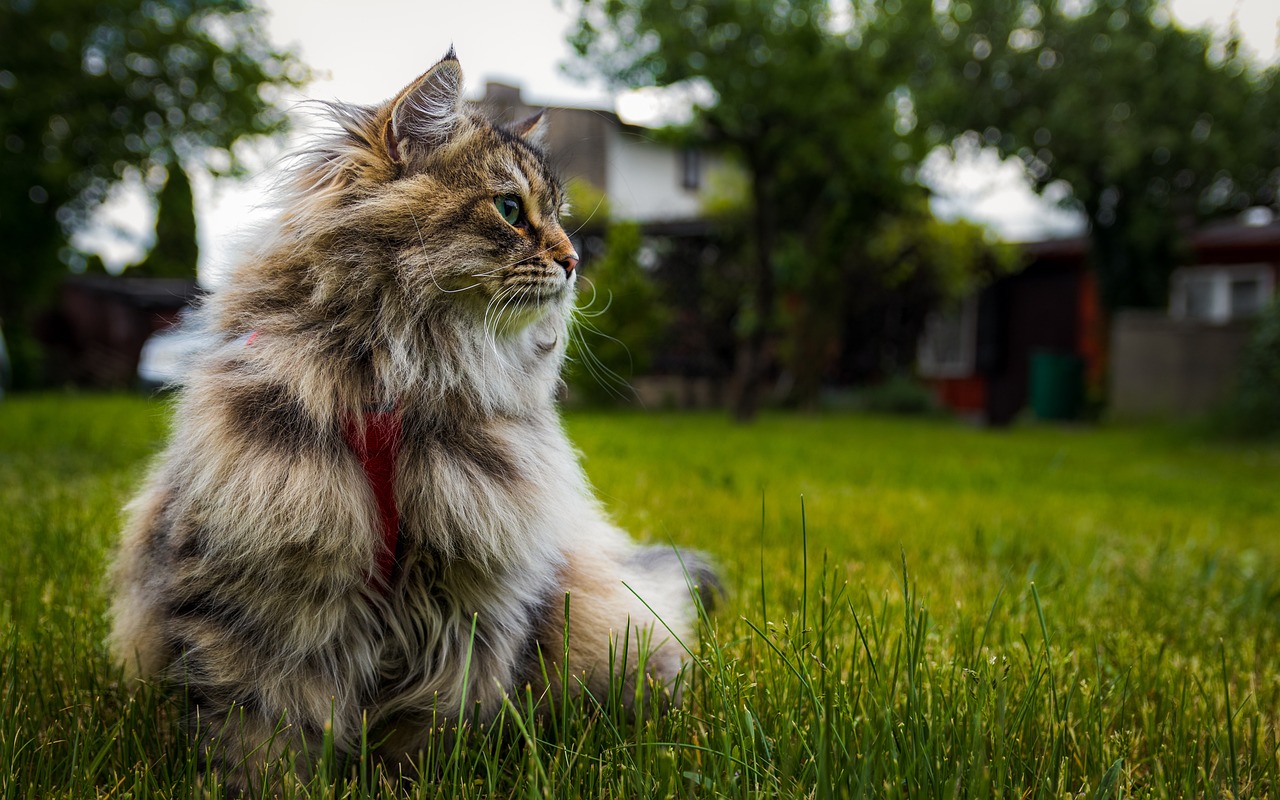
point(366, 51)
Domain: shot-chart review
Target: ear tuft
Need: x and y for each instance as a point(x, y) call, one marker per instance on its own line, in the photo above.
point(427, 111)
point(532, 129)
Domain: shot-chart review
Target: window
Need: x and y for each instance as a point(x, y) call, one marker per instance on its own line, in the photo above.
point(691, 169)
point(946, 350)
point(1247, 298)
point(1220, 293)
point(1199, 298)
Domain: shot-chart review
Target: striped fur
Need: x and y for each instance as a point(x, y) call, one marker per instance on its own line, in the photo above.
point(243, 575)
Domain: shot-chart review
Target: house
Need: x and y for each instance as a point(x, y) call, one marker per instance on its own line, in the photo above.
point(979, 356)
point(95, 333)
point(1038, 338)
point(661, 186)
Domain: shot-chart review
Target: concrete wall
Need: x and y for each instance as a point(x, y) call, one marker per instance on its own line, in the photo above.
point(644, 180)
point(1169, 368)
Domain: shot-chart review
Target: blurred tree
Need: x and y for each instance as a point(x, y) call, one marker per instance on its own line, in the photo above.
point(856, 288)
point(176, 250)
point(806, 100)
point(915, 264)
point(92, 91)
point(1152, 127)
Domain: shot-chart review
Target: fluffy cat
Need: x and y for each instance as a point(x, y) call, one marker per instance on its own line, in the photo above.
point(370, 462)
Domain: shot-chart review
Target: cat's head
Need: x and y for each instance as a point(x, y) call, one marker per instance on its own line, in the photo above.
point(454, 210)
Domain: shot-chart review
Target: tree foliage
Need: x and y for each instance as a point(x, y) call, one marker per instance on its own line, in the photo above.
point(916, 264)
point(814, 106)
point(1152, 127)
point(620, 322)
point(92, 91)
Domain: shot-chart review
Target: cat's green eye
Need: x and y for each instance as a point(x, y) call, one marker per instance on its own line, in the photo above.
point(509, 208)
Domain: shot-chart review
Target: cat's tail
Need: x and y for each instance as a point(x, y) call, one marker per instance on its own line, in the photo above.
point(695, 568)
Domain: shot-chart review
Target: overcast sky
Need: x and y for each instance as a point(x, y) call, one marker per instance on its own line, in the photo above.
point(366, 51)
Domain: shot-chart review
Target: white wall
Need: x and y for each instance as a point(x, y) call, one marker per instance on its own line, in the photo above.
point(644, 181)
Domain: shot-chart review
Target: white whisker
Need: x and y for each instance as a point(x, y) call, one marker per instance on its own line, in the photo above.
point(605, 377)
point(583, 310)
point(590, 217)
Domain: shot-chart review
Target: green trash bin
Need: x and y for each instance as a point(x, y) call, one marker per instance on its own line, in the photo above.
point(1057, 385)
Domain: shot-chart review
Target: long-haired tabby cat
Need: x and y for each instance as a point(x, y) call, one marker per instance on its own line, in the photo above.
point(368, 500)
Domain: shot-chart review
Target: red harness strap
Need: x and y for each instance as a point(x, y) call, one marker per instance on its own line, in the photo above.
point(377, 446)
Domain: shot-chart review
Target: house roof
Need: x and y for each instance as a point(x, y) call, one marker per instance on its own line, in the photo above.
point(504, 99)
point(1075, 248)
point(150, 294)
point(1229, 242)
point(1246, 240)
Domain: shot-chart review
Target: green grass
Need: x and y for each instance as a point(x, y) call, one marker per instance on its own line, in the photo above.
point(915, 609)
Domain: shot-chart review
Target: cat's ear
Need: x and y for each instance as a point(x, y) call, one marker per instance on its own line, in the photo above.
point(426, 113)
point(532, 129)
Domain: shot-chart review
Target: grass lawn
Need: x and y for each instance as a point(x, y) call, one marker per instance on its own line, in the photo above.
point(916, 609)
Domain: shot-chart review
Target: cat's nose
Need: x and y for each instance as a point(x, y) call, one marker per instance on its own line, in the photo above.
point(569, 262)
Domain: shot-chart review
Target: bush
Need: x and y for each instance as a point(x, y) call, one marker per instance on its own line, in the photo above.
point(619, 321)
point(900, 393)
point(1254, 408)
